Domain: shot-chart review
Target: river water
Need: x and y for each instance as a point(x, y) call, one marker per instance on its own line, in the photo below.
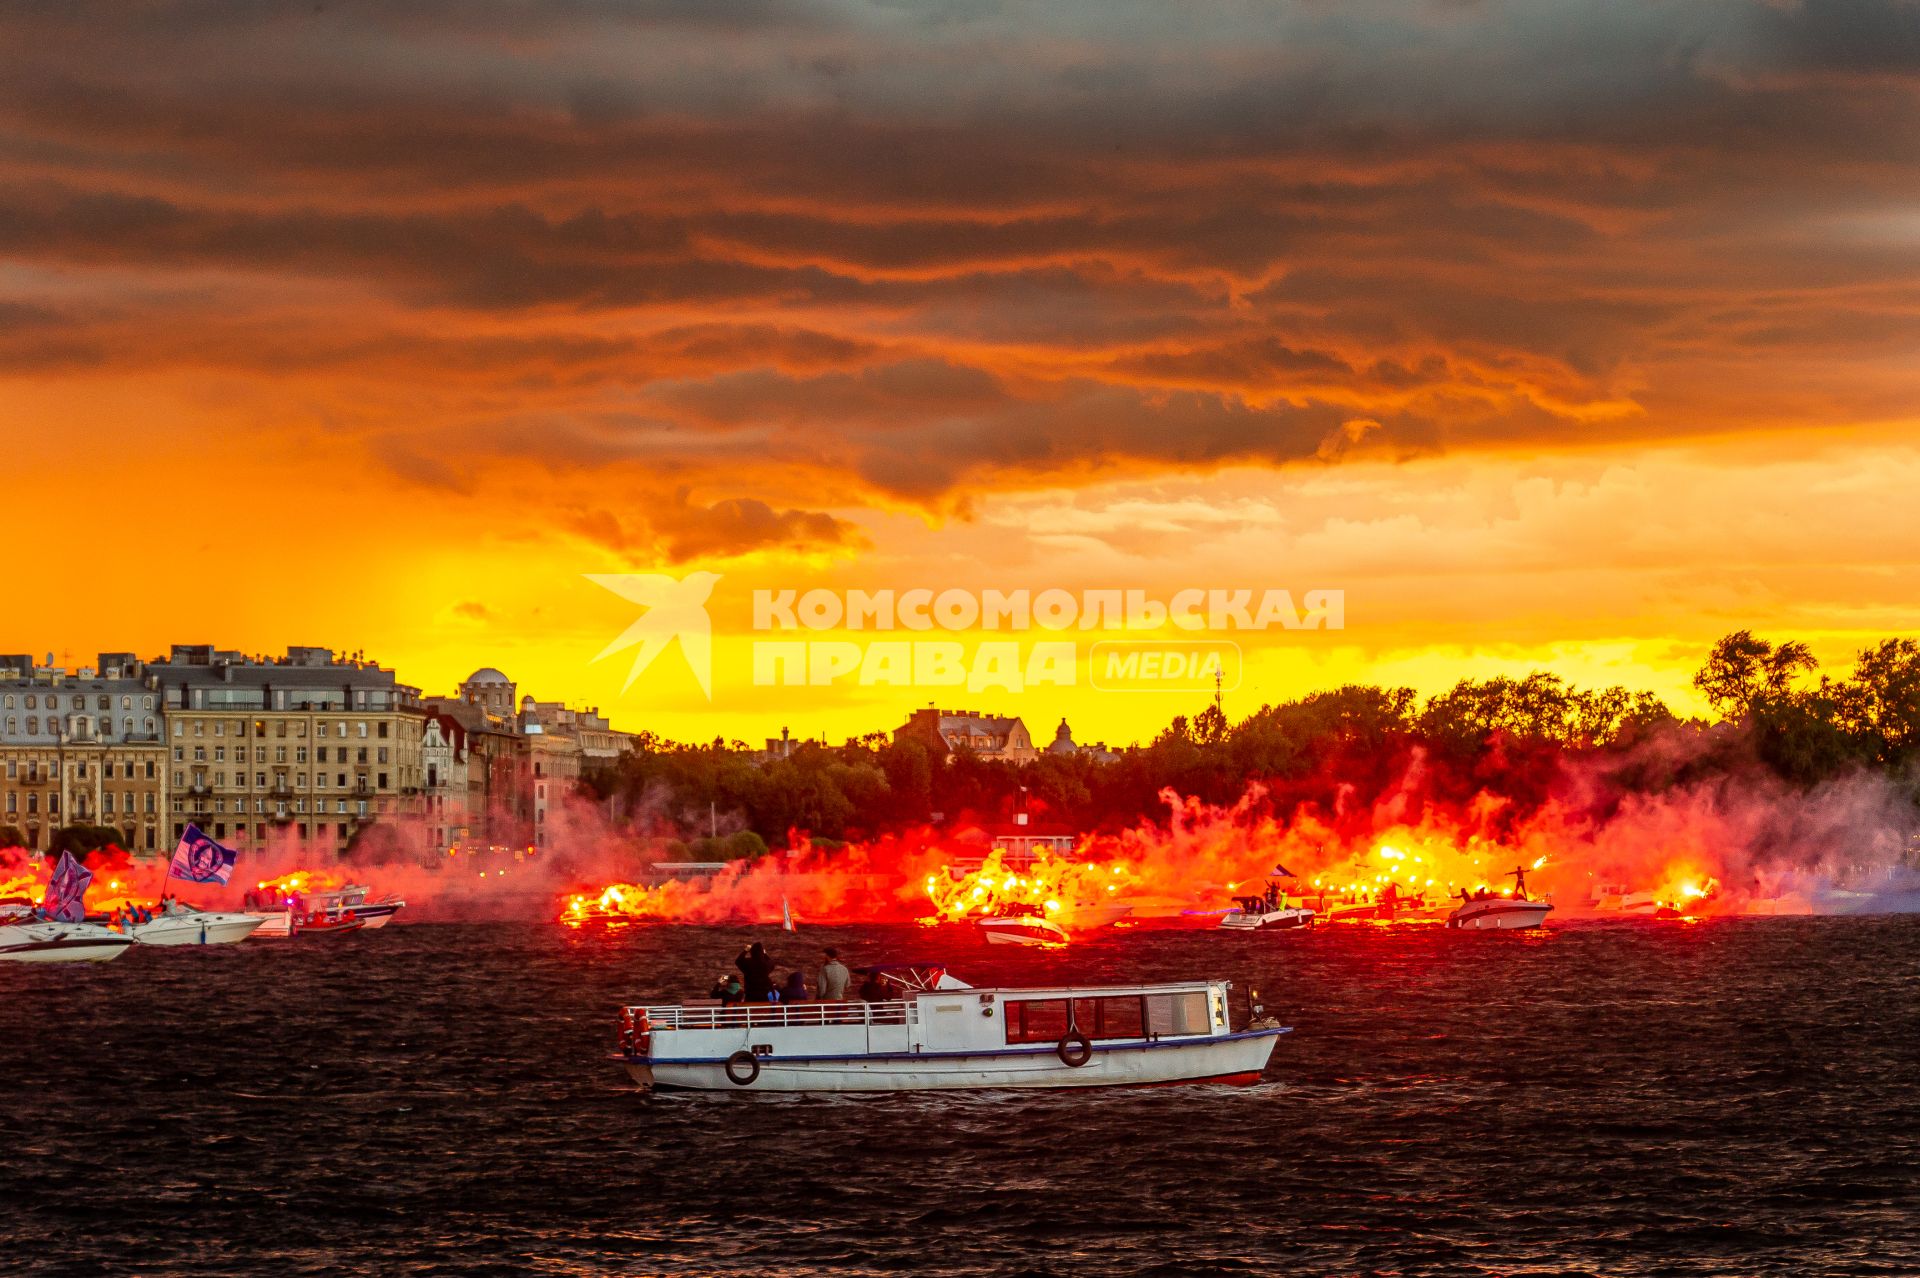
point(1725, 1097)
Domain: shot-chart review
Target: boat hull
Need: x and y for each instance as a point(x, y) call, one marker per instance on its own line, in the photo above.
point(1280, 920)
point(1022, 931)
point(378, 915)
point(61, 943)
point(198, 929)
point(1499, 916)
point(1224, 1059)
point(279, 923)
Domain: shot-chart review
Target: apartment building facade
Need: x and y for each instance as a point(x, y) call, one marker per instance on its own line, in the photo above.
point(85, 748)
point(309, 744)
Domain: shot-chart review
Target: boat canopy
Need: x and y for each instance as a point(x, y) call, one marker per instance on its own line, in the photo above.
point(916, 976)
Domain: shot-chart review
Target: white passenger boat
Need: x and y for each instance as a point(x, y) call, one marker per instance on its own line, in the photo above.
point(941, 1034)
point(1488, 911)
point(184, 925)
point(1021, 929)
point(25, 939)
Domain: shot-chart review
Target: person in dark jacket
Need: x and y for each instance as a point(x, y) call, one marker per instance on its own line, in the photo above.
point(795, 990)
point(756, 968)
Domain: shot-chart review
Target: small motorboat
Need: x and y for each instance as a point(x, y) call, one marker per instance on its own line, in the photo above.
point(180, 924)
point(353, 897)
point(26, 939)
point(1252, 917)
point(1269, 910)
point(274, 922)
point(1021, 929)
point(927, 1031)
point(1390, 905)
point(1487, 911)
point(333, 921)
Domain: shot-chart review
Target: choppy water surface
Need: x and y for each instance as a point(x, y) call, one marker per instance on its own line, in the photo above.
point(1720, 1098)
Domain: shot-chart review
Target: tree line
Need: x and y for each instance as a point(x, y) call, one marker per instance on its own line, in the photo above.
point(1774, 713)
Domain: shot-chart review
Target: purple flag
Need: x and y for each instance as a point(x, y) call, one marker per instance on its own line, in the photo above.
point(199, 859)
point(66, 891)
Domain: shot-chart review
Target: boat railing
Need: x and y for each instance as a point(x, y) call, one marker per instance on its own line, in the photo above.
point(756, 1015)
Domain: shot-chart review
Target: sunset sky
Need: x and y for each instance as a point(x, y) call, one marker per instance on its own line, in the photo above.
point(1554, 335)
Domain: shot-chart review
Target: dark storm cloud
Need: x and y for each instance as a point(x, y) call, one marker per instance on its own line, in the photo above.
point(910, 249)
point(680, 529)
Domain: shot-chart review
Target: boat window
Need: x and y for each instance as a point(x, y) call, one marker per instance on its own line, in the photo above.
point(1044, 1020)
point(1036, 1020)
point(1177, 1013)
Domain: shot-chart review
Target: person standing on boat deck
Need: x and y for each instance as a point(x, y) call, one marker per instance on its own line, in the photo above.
point(757, 967)
point(833, 978)
point(795, 990)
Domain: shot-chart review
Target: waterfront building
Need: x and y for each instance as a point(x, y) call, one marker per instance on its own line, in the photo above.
point(310, 743)
point(84, 748)
point(947, 732)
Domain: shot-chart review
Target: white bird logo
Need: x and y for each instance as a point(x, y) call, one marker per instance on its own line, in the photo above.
point(676, 608)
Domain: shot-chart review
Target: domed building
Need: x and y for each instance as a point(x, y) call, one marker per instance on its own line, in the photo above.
point(1063, 740)
point(492, 691)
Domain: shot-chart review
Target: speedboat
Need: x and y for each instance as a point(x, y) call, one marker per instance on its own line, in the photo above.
point(25, 939)
point(184, 925)
point(274, 923)
point(1389, 905)
point(353, 898)
point(343, 921)
point(1251, 913)
point(1490, 910)
point(938, 1033)
point(1244, 919)
point(1021, 929)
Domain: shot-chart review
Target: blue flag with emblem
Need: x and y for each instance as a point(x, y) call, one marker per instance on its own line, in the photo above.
point(66, 891)
point(199, 859)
